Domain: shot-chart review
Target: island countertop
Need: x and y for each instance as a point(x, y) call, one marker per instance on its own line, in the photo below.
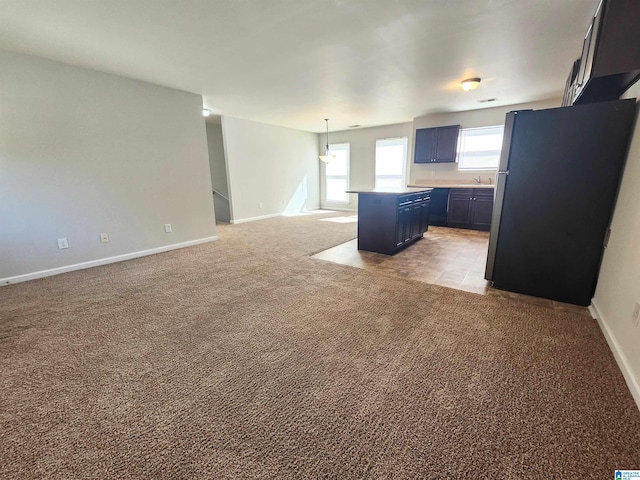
point(393, 191)
point(453, 184)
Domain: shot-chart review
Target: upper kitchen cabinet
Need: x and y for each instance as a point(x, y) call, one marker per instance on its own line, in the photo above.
point(437, 145)
point(570, 87)
point(610, 60)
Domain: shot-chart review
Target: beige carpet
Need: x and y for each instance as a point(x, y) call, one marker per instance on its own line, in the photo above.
point(245, 358)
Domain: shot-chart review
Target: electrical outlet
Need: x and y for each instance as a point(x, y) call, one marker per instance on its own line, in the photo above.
point(63, 243)
point(259, 204)
point(104, 237)
point(636, 315)
point(167, 228)
point(433, 173)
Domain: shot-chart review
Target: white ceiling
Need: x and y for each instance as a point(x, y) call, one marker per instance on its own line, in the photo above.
point(295, 62)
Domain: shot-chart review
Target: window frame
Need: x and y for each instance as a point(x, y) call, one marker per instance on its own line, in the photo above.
point(333, 147)
point(459, 156)
point(403, 175)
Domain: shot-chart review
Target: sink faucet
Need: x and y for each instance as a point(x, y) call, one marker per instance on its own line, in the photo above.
point(477, 180)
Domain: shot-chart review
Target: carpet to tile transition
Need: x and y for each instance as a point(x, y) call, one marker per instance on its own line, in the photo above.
point(245, 358)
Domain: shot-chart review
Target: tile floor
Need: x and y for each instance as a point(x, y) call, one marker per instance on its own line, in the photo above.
point(450, 257)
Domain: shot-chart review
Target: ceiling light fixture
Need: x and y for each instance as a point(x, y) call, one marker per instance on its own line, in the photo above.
point(470, 84)
point(206, 112)
point(328, 156)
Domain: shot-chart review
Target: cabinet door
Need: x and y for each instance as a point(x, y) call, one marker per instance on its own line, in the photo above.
point(583, 73)
point(592, 37)
point(459, 212)
point(567, 98)
point(424, 215)
point(425, 145)
point(407, 220)
point(438, 207)
point(482, 209)
point(447, 144)
point(610, 53)
point(570, 87)
point(416, 219)
point(403, 226)
point(400, 226)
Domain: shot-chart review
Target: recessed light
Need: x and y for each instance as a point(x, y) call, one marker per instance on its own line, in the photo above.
point(206, 112)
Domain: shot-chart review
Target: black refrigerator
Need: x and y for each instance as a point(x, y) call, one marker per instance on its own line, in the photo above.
point(555, 190)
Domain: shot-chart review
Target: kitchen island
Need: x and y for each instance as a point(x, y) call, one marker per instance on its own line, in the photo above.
point(391, 219)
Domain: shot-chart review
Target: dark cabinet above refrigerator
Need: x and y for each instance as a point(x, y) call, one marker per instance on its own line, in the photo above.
point(610, 60)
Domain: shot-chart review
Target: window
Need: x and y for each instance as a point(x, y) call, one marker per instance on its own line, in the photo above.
point(391, 158)
point(337, 174)
point(479, 148)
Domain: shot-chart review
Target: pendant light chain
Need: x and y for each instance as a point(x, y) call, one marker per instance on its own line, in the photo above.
point(326, 121)
point(328, 156)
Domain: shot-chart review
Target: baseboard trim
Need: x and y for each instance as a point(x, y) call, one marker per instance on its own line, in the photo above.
point(621, 358)
point(339, 209)
point(281, 214)
point(253, 219)
point(102, 261)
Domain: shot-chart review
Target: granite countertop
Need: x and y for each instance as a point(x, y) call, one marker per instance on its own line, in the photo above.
point(452, 184)
point(394, 191)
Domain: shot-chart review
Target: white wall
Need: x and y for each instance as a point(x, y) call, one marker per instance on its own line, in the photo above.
point(485, 117)
point(84, 152)
point(618, 287)
point(362, 145)
point(269, 165)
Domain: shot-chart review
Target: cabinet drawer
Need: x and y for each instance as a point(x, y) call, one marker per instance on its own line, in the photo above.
point(461, 192)
point(483, 192)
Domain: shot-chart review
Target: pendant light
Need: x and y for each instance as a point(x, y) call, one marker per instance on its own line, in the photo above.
point(328, 156)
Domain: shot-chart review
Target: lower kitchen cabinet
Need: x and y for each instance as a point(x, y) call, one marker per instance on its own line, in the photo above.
point(482, 209)
point(438, 207)
point(470, 208)
point(460, 203)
